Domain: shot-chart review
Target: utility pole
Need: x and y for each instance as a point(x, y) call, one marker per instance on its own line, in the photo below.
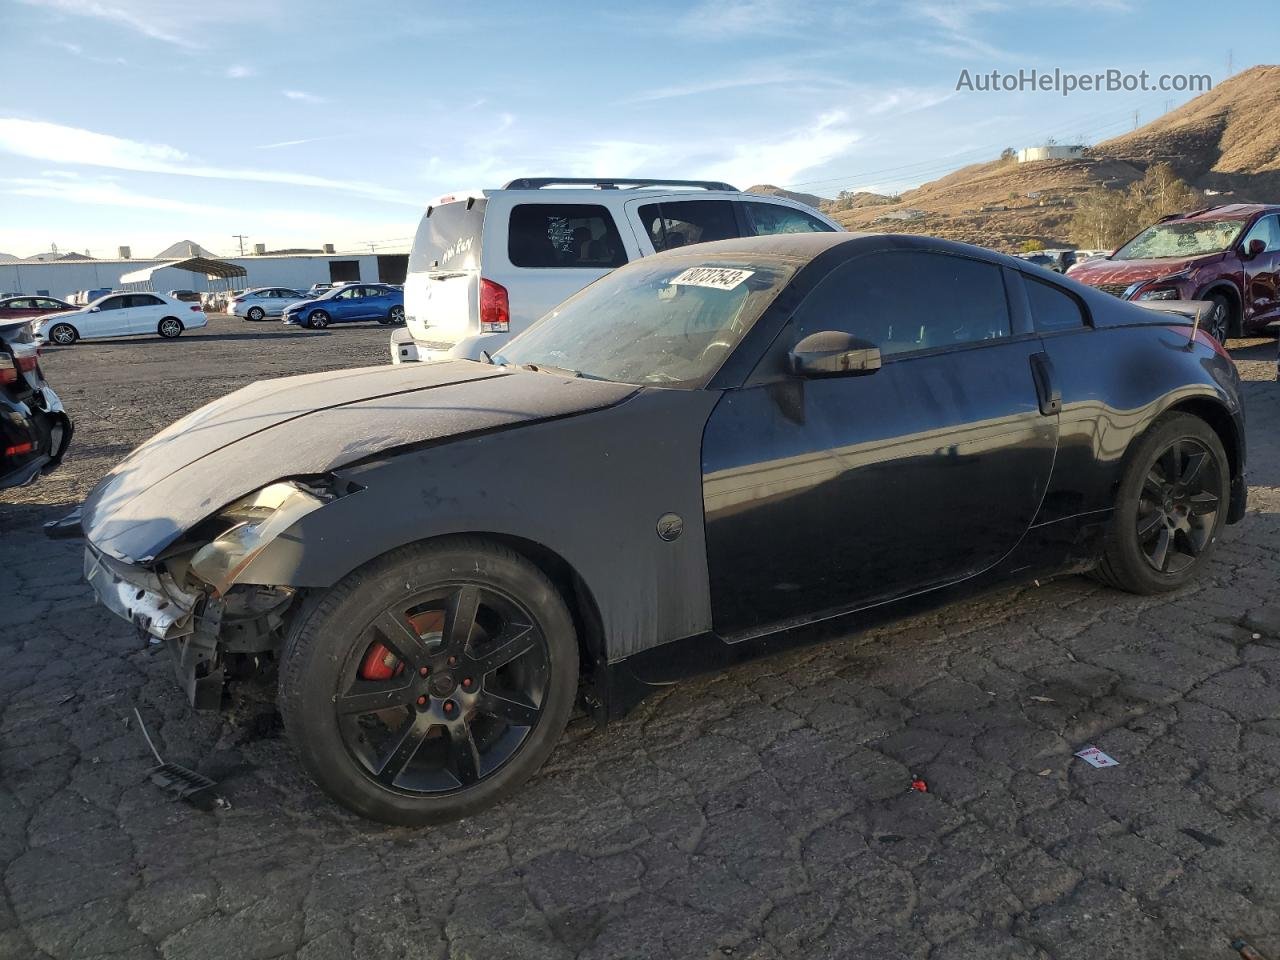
point(1136, 114)
point(242, 237)
point(1230, 62)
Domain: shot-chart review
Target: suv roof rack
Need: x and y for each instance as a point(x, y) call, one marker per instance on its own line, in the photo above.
point(613, 183)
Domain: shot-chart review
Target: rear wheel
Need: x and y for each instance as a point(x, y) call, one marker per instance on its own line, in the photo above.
point(169, 328)
point(318, 320)
point(1170, 507)
point(395, 315)
point(255, 313)
point(63, 334)
point(431, 682)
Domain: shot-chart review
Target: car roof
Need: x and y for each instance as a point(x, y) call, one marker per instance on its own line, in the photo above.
point(808, 246)
point(1227, 211)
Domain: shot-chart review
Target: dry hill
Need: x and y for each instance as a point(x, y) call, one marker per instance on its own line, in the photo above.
point(1226, 140)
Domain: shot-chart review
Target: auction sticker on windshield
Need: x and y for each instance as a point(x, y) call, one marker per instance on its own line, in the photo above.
point(718, 278)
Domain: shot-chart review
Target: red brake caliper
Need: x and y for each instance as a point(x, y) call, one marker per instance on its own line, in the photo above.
point(381, 664)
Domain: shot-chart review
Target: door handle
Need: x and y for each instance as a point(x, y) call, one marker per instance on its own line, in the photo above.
point(1047, 390)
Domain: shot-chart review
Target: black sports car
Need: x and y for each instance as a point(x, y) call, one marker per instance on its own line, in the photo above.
point(684, 465)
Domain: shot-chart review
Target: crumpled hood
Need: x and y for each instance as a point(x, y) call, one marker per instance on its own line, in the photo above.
point(312, 424)
point(1099, 271)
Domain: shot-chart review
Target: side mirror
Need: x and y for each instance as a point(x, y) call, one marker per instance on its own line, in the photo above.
point(834, 354)
point(95, 309)
point(1254, 249)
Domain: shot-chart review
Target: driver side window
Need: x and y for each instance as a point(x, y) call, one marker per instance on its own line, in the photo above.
point(1268, 231)
point(907, 300)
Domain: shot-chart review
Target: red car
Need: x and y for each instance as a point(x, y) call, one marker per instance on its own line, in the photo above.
point(1229, 255)
point(14, 308)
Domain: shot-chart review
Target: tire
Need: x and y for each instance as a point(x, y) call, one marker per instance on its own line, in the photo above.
point(63, 334)
point(421, 760)
point(318, 320)
point(395, 316)
point(1223, 322)
point(255, 313)
point(1185, 516)
point(170, 328)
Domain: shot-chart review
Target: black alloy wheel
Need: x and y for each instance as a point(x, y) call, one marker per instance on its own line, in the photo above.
point(449, 685)
point(1170, 506)
point(1179, 506)
point(431, 682)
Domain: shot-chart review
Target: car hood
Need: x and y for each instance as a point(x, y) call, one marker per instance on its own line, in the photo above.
point(312, 424)
point(1098, 271)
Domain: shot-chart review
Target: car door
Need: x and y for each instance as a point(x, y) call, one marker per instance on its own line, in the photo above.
point(110, 319)
point(1262, 273)
point(14, 309)
point(144, 312)
point(827, 495)
point(345, 305)
point(373, 305)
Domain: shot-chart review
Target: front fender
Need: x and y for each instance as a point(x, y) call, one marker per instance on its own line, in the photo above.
point(590, 489)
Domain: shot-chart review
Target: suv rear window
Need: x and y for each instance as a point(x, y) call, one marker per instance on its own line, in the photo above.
point(683, 222)
point(770, 218)
point(448, 237)
point(564, 235)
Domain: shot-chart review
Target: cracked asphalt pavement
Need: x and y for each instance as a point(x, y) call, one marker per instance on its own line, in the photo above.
point(762, 813)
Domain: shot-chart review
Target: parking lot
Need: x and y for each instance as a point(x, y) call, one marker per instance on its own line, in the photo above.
point(763, 813)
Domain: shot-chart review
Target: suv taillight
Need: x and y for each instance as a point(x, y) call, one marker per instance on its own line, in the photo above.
point(495, 309)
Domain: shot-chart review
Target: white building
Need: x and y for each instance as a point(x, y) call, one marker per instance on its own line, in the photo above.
point(60, 278)
point(1053, 151)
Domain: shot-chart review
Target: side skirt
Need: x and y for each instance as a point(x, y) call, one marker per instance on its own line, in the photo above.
point(1051, 550)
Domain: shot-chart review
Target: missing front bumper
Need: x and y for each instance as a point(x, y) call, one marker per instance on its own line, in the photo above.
point(152, 603)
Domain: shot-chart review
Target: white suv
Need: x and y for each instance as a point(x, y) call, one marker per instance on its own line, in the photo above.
point(486, 265)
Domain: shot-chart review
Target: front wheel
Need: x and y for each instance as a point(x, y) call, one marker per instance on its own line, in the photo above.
point(430, 683)
point(1170, 507)
point(318, 320)
point(63, 334)
point(1221, 322)
point(169, 328)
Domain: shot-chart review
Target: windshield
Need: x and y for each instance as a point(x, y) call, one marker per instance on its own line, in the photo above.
point(669, 321)
point(1181, 238)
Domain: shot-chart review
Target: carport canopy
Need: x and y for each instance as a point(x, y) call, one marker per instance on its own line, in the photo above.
point(212, 270)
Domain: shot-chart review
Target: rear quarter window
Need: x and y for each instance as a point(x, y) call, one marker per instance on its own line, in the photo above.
point(564, 235)
point(1051, 308)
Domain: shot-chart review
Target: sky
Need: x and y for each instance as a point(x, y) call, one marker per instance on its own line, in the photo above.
point(302, 122)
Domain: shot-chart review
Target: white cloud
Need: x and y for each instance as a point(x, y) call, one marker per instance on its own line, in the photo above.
point(303, 96)
point(781, 159)
point(238, 71)
point(72, 145)
point(179, 24)
point(719, 19)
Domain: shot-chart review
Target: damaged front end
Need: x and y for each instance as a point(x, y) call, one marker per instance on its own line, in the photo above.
point(216, 628)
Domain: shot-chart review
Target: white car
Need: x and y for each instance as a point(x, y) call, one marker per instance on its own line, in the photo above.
point(264, 302)
point(122, 315)
point(485, 265)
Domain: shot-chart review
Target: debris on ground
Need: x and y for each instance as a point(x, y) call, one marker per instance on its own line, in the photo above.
point(1044, 699)
point(1096, 758)
point(184, 784)
point(918, 785)
point(1246, 952)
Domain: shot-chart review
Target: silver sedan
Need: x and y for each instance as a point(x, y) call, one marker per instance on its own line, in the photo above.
point(263, 302)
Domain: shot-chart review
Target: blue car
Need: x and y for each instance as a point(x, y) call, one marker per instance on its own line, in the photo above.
point(349, 303)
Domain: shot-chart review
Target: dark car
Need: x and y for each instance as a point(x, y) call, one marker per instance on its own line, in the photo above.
point(348, 303)
point(14, 308)
point(679, 468)
point(1229, 255)
point(34, 429)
